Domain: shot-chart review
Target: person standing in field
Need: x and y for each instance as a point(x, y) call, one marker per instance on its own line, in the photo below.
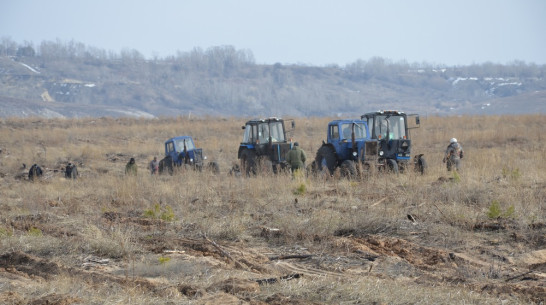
point(296, 158)
point(154, 166)
point(131, 168)
point(35, 172)
point(453, 155)
point(71, 171)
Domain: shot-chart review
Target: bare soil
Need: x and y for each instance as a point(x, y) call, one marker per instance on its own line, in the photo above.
point(488, 268)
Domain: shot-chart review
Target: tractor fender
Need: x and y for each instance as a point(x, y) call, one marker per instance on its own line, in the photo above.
point(242, 148)
point(330, 145)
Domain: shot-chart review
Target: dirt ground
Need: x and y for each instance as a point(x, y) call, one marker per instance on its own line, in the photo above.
point(250, 266)
point(237, 239)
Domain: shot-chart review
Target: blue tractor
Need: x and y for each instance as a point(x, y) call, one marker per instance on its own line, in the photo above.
point(349, 147)
point(391, 130)
point(181, 152)
point(264, 146)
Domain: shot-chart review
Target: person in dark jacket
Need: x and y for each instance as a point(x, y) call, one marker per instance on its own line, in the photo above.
point(296, 158)
point(453, 155)
point(35, 172)
point(71, 171)
point(131, 167)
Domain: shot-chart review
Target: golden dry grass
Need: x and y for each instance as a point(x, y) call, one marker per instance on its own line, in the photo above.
point(504, 164)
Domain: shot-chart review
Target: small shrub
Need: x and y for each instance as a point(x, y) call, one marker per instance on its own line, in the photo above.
point(513, 174)
point(300, 190)
point(158, 212)
point(163, 260)
point(495, 211)
point(509, 212)
point(34, 232)
point(5, 232)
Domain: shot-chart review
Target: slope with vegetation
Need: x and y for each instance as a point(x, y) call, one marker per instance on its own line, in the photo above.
point(73, 80)
point(477, 237)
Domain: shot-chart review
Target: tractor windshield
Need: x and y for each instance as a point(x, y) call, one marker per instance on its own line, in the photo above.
point(261, 132)
point(277, 132)
point(180, 144)
point(360, 130)
point(396, 126)
point(271, 129)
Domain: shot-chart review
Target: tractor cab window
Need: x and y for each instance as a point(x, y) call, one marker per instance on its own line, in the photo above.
point(334, 132)
point(250, 134)
point(394, 124)
point(170, 147)
point(277, 132)
point(246, 135)
point(263, 133)
point(180, 144)
point(397, 128)
point(360, 130)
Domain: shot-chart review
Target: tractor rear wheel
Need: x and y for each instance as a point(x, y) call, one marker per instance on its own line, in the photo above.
point(166, 166)
point(326, 159)
point(248, 162)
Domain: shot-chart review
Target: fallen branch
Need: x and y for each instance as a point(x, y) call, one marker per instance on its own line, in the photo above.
point(519, 275)
point(226, 254)
point(273, 258)
point(379, 201)
point(282, 278)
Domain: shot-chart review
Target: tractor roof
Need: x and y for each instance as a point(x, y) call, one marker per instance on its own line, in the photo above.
point(385, 112)
point(336, 122)
point(263, 120)
point(179, 138)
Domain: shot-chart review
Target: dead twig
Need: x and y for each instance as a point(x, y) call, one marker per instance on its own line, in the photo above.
point(282, 278)
point(379, 201)
point(273, 258)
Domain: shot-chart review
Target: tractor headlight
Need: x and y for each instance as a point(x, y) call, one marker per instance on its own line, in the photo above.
point(191, 160)
point(381, 153)
point(355, 154)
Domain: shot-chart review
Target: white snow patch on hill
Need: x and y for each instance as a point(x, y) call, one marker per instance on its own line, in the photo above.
point(30, 68)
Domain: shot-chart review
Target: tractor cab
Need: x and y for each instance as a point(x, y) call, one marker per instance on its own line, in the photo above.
point(182, 150)
point(390, 129)
point(264, 139)
point(348, 138)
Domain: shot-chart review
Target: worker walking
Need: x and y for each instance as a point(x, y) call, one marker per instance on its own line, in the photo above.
point(453, 155)
point(296, 158)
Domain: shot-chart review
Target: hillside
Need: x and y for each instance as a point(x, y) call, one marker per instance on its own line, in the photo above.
point(226, 82)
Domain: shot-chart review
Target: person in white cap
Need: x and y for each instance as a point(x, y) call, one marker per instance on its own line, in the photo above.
point(454, 154)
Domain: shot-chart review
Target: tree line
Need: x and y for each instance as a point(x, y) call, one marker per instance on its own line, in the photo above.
point(229, 81)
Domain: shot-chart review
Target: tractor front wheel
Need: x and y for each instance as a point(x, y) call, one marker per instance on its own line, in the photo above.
point(348, 169)
point(421, 165)
point(214, 168)
point(248, 162)
point(392, 166)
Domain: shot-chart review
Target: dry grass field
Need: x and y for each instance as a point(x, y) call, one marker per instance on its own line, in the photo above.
point(478, 237)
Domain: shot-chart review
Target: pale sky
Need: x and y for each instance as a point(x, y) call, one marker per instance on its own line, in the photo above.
point(310, 32)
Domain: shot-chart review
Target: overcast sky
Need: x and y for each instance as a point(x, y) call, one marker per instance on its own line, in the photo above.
point(311, 32)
